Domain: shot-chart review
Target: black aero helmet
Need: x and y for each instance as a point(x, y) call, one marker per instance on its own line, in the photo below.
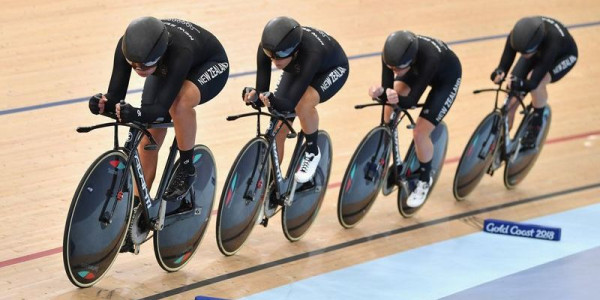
point(145, 40)
point(281, 37)
point(400, 49)
point(527, 34)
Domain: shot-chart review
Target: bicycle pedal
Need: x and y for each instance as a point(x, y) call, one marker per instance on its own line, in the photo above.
point(125, 248)
point(307, 186)
point(130, 247)
point(264, 222)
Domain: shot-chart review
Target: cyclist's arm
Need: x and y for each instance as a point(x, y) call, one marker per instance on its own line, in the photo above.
point(419, 82)
point(508, 56)
point(387, 79)
point(178, 64)
point(310, 67)
point(263, 71)
point(546, 63)
point(119, 80)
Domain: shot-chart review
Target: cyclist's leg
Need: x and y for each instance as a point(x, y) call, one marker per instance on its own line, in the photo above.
point(539, 95)
point(438, 103)
point(306, 110)
point(522, 69)
point(424, 151)
point(317, 92)
point(184, 116)
point(421, 137)
point(284, 84)
point(202, 84)
point(560, 68)
point(322, 88)
point(149, 158)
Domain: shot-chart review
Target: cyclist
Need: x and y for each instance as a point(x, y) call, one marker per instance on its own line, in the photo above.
point(184, 66)
point(315, 68)
point(548, 52)
point(410, 63)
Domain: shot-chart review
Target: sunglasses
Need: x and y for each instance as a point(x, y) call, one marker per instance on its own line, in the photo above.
point(280, 54)
point(399, 68)
point(531, 50)
point(143, 66)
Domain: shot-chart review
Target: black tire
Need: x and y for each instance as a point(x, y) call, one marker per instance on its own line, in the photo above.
point(186, 221)
point(297, 218)
point(477, 156)
point(236, 216)
point(90, 246)
point(363, 177)
point(517, 169)
point(439, 137)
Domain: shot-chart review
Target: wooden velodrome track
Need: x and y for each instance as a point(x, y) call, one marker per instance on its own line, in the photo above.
point(51, 51)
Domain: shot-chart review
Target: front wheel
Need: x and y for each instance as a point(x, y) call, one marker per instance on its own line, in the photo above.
point(186, 220)
point(477, 156)
point(439, 137)
point(363, 177)
point(518, 165)
point(97, 221)
point(297, 218)
point(243, 195)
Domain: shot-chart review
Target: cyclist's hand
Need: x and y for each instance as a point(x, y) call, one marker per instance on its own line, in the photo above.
point(127, 113)
point(249, 95)
point(375, 91)
point(392, 96)
point(516, 84)
point(266, 98)
point(97, 103)
point(497, 76)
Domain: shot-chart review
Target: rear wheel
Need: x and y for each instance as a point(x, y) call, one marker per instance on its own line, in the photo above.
point(439, 137)
point(297, 218)
point(186, 220)
point(242, 197)
point(518, 167)
point(363, 177)
point(97, 221)
point(477, 156)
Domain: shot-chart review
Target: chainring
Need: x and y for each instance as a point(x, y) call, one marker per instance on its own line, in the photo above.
point(137, 233)
point(271, 204)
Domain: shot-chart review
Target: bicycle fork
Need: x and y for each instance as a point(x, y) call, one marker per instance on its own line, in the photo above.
point(106, 215)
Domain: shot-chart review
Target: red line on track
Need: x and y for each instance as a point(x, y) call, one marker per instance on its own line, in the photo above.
point(29, 257)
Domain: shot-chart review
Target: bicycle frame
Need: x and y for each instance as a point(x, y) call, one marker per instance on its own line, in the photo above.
point(284, 188)
point(504, 130)
point(398, 113)
point(136, 131)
